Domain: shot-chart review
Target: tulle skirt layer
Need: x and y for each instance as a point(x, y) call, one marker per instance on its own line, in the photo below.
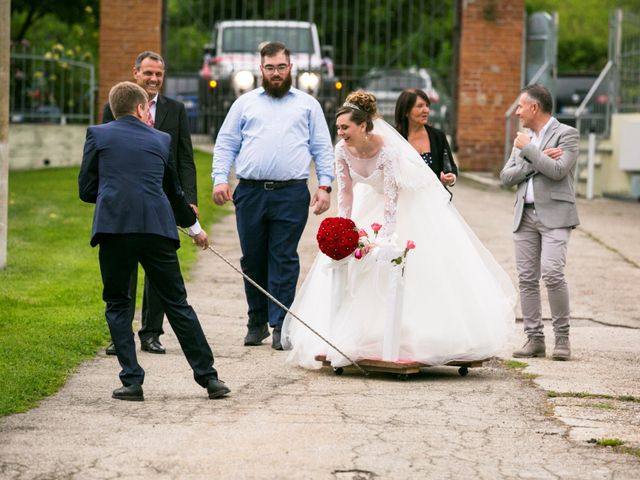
point(458, 303)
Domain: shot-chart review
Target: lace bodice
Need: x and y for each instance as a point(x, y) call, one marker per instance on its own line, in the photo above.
point(377, 172)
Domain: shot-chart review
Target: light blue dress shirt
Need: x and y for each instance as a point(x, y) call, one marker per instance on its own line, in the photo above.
point(273, 139)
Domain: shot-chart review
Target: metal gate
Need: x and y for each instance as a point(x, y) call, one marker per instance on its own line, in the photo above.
point(382, 46)
point(49, 87)
point(627, 49)
point(617, 88)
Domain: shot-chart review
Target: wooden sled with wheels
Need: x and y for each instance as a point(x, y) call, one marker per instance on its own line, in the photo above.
point(401, 368)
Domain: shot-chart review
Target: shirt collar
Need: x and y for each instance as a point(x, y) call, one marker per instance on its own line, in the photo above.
point(543, 130)
point(264, 92)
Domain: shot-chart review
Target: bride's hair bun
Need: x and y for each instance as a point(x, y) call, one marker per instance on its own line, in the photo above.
point(365, 101)
point(361, 107)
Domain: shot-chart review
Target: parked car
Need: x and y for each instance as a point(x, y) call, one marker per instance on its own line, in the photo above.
point(387, 84)
point(190, 101)
point(571, 90)
point(184, 88)
point(231, 60)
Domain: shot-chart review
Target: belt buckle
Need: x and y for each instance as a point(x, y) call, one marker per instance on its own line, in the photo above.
point(269, 185)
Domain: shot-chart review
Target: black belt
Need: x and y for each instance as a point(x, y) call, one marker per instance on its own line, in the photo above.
point(529, 205)
point(271, 184)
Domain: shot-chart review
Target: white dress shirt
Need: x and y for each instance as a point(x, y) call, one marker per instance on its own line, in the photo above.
point(268, 138)
point(536, 139)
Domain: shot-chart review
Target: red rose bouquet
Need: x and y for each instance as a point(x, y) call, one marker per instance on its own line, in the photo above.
point(337, 237)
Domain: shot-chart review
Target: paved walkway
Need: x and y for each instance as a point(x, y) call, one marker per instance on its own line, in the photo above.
point(286, 422)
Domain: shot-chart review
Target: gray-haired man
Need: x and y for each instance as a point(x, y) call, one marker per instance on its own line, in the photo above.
point(542, 165)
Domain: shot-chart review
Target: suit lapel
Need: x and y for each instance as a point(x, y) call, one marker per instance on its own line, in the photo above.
point(161, 112)
point(548, 135)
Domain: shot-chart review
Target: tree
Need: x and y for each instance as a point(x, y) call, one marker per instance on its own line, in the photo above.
point(583, 31)
point(30, 12)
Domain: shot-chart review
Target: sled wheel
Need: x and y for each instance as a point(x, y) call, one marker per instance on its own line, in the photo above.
point(338, 371)
point(403, 376)
point(463, 371)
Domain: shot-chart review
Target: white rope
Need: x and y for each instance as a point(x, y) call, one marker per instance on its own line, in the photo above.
point(281, 305)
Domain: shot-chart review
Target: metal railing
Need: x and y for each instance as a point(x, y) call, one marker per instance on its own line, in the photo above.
point(608, 92)
point(50, 88)
point(626, 49)
point(594, 113)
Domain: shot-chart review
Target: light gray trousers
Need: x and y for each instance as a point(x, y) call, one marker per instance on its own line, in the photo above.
point(542, 251)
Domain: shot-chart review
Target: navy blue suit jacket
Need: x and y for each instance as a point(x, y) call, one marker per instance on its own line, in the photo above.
point(125, 172)
point(171, 117)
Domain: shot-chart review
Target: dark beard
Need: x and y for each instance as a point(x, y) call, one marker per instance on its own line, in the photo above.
point(277, 91)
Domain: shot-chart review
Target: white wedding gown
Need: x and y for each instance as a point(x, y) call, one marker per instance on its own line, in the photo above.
point(458, 302)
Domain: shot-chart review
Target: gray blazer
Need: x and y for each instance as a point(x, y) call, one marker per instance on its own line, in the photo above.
point(553, 191)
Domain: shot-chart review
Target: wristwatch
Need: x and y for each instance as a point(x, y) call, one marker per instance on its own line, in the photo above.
point(325, 188)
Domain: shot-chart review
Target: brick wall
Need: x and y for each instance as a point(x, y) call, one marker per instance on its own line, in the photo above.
point(127, 27)
point(489, 79)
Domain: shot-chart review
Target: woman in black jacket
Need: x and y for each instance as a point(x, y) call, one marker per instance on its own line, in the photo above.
point(411, 118)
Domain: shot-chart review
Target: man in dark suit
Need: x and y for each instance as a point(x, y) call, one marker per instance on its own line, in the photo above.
point(126, 172)
point(166, 115)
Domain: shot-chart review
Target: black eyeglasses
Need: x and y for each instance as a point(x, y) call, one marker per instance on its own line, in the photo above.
point(272, 68)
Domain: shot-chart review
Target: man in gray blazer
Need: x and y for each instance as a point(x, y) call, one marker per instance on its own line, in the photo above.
point(542, 165)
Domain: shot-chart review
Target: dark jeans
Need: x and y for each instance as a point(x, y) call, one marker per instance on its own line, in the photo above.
point(119, 256)
point(270, 224)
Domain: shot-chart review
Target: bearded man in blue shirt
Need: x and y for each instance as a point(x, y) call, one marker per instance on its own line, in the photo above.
point(271, 135)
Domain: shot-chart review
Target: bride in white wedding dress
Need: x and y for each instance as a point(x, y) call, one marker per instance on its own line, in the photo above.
point(458, 303)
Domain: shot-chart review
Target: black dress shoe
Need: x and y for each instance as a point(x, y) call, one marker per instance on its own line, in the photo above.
point(131, 393)
point(110, 350)
point(275, 340)
point(152, 345)
point(216, 388)
point(255, 335)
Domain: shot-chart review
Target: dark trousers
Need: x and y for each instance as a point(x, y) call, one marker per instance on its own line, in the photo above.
point(119, 256)
point(270, 224)
point(152, 310)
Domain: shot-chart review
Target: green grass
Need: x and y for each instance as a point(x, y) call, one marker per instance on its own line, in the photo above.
point(514, 364)
point(610, 442)
point(51, 309)
point(617, 445)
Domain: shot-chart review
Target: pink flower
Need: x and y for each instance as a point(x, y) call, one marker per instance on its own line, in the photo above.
point(362, 233)
point(358, 254)
point(376, 227)
point(410, 245)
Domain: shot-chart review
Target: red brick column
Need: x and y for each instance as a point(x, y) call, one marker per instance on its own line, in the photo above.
point(127, 27)
point(489, 78)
